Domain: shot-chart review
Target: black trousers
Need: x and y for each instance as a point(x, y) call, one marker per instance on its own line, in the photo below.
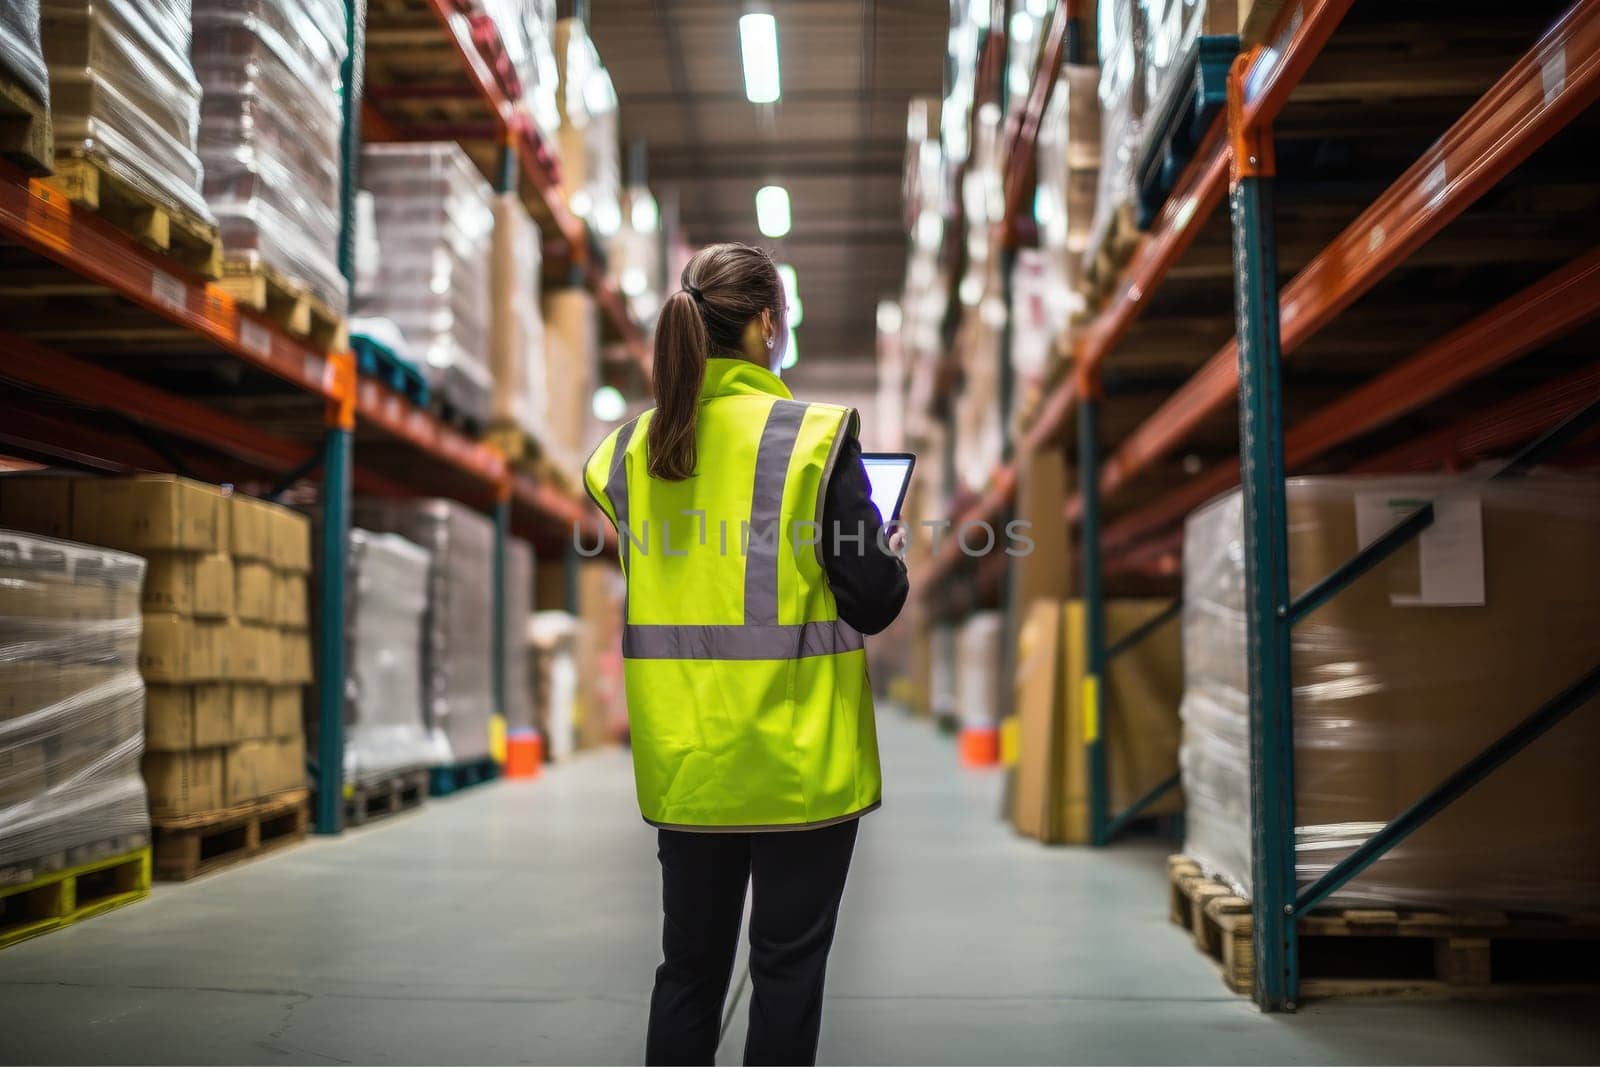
point(797, 878)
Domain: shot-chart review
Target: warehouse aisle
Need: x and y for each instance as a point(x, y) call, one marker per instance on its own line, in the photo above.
point(518, 924)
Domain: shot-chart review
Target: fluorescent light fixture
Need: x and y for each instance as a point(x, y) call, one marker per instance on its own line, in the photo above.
point(608, 217)
point(1021, 27)
point(634, 282)
point(791, 293)
point(791, 352)
point(889, 317)
point(645, 214)
point(772, 209)
point(608, 404)
point(758, 41)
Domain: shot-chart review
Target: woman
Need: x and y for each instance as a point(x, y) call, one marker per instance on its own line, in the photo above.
point(753, 562)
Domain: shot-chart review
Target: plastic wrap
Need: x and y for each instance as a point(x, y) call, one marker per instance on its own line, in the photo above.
point(518, 608)
point(270, 133)
point(457, 641)
point(71, 699)
point(553, 651)
point(1122, 107)
point(434, 218)
point(123, 93)
point(516, 334)
point(590, 158)
point(1172, 27)
point(1069, 174)
point(20, 52)
point(1401, 679)
point(542, 79)
point(978, 670)
point(385, 726)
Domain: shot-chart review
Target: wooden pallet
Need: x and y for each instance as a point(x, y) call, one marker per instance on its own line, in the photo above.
point(25, 137)
point(1352, 951)
point(188, 241)
point(78, 891)
point(289, 304)
point(1104, 265)
point(454, 777)
point(197, 844)
point(521, 449)
point(381, 797)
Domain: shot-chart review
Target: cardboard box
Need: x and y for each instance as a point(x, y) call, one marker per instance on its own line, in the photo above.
point(183, 717)
point(1138, 718)
point(40, 504)
point(150, 513)
point(571, 361)
point(254, 586)
point(1254, 19)
point(188, 583)
point(1397, 686)
point(286, 710)
point(252, 651)
point(291, 601)
point(251, 706)
point(260, 768)
point(294, 662)
point(252, 527)
point(183, 783)
point(291, 540)
point(180, 648)
point(22, 772)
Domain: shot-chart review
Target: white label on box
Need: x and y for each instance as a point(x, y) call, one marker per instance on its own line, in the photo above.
point(255, 338)
point(1450, 551)
point(169, 290)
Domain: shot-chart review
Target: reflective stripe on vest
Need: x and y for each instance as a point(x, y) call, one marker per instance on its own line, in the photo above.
point(759, 637)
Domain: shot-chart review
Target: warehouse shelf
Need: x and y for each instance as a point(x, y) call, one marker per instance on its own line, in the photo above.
point(1440, 308)
point(463, 99)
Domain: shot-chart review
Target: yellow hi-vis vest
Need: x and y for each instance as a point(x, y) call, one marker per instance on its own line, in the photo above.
point(748, 700)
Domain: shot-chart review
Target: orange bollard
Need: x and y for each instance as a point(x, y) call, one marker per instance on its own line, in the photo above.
point(524, 753)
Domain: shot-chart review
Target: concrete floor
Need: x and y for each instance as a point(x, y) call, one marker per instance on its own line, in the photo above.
point(518, 924)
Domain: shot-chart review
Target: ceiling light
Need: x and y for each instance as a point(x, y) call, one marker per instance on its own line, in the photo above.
point(889, 317)
point(608, 404)
point(646, 216)
point(772, 209)
point(1021, 27)
point(758, 41)
point(634, 281)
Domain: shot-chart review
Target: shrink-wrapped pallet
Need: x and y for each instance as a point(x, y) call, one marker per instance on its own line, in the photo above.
point(518, 606)
point(1402, 678)
point(516, 330)
point(386, 726)
point(591, 162)
point(1069, 174)
point(553, 648)
point(1122, 93)
point(270, 132)
point(72, 702)
point(433, 219)
point(1171, 29)
point(123, 94)
point(457, 650)
point(20, 53)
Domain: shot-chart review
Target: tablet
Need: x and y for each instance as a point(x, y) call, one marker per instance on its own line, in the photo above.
point(888, 475)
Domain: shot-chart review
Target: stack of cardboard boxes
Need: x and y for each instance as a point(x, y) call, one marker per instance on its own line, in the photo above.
point(225, 650)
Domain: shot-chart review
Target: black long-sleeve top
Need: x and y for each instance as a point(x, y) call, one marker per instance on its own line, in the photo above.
point(868, 583)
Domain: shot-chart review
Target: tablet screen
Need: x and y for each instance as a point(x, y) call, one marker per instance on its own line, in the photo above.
point(887, 474)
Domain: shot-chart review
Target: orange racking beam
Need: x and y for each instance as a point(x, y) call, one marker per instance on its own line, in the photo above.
point(1514, 422)
point(1022, 137)
point(40, 218)
point(382, 407)
point(77, 379)
point(1546, 310)
point(1542, 92)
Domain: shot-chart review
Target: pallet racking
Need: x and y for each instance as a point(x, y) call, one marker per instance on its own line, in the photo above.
point(117, 358)
point(1416, 186)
